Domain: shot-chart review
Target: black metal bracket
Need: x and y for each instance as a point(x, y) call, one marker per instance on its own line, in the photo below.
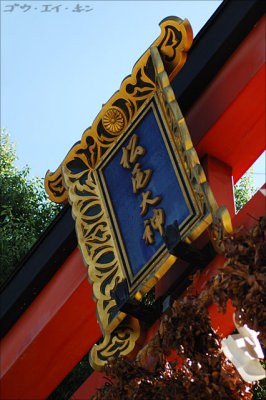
point(196, 259)
point(143, 312)
point(186, 252)
point(135, 308)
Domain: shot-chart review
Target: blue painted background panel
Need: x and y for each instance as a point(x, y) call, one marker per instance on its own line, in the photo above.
point(163, 183)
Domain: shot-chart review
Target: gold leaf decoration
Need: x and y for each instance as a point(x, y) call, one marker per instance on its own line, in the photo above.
point(121, 342)
point(96, 244)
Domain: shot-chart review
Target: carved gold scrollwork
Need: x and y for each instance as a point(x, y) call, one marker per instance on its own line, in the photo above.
point(120, 342)
point(173, 43)
point(96, 243)
point(219, 217)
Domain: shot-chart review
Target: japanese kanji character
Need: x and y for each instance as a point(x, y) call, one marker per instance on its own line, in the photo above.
point(125, 158)
point(131, 152)
point(146, 201)
point(140, 179)
point(157, 221)
point(25, 7)
point(135, 151)
point(148, 235)
point(78, 8)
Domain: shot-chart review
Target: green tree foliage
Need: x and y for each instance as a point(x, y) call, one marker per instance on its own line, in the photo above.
point(259, 390)
point(25, 210)
point(244, 189)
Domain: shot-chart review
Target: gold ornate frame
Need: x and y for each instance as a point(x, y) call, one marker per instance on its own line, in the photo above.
point(75, 181)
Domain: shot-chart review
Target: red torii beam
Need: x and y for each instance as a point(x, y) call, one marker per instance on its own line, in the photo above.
point(51, 336)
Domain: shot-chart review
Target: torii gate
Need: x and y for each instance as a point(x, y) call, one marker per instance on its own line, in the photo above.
point(232, 122)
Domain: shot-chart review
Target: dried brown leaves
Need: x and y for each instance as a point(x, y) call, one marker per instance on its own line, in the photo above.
point(204, 372)
point(242, 278)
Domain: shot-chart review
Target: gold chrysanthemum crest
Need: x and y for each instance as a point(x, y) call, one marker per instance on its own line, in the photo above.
point(114, 120)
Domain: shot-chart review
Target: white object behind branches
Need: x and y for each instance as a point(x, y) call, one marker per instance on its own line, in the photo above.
point(244, 351)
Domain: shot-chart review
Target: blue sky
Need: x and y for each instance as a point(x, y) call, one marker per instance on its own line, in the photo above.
point(61, 60)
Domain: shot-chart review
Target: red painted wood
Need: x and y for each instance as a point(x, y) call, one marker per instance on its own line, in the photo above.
point(95, 381)
point(238, 137)
point(219, 177)
point(50, 338)
point(205, 117)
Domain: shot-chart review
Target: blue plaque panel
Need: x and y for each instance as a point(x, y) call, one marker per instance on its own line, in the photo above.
point(124, 206)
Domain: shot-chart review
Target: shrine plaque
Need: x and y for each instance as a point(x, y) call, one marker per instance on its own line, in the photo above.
point(133, 173)
point(144, 187)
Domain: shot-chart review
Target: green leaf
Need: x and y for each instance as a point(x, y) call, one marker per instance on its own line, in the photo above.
point(244, 189)
point(25, 211)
